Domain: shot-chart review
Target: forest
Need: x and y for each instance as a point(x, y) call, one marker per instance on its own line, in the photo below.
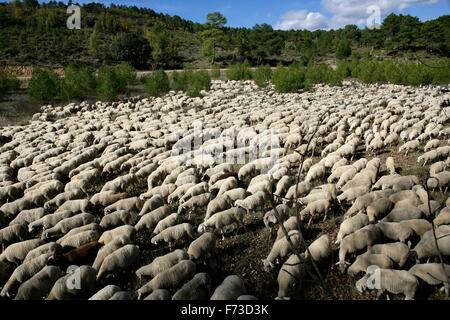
point(35, 34)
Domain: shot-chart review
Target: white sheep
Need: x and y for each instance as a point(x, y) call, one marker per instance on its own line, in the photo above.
point(230, 289)
point(162, 263)
point(170, 278)
point(351, 225)
point(120, 259)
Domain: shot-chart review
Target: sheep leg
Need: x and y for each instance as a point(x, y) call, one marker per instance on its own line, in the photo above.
point(310, 220)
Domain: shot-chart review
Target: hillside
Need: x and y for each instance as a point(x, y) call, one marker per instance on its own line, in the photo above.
point(34, 34)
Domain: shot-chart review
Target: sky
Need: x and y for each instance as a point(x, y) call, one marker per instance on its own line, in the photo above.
point(294, 14)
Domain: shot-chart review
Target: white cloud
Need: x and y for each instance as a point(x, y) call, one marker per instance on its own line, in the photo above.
point(344, 12)
point(302, 19)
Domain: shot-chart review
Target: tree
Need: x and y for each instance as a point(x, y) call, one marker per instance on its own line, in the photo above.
point(131, 48)
point(216, 20)
point(344, 50)
point(213, 34)
point(164, 47)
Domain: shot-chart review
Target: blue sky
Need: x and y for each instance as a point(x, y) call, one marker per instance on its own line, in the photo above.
point(293, 14)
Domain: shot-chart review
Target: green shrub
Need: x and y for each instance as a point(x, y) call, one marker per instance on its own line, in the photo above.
point(108, 85)
point(288, 79)
point(44, 86)
point(215, 73)
point(198, 81)
point(262, 76)
point(239, 72)
point(179, 81)
point(343, 50)
point(77, 84)
point(8, 83)
point(157, 83)
point(125, 74)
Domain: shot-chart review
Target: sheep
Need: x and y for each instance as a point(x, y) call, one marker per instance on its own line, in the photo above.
point(78, 283)
point(79, 205)
point(159, 294)
point(351, 225)
point(220, 203)
point(407, 212)
point(174, 234)
point(110, 235)
point(167, 222)
point(203, 246)
point(393, 281)
point(116, 219)
point(298, 190)
point(432, 273)
point(315, 196)
point(282, 186)
point(28, 216)
point(437, 167)
point(13, 233)
point(129, 204)
point(151, 204)
point(17, 252)
point(198, 288)
point(440, 180)
point(409, 146)
point(170, 278)
point(358, 240)
point(390, 165)
point(320, 249)
point(106, 293)
point(197, 201)
point(290, 275)
point(429, 156)
point(38, 285)
point(281, 248)
point(395, 231)
point(353, 193)
point(24, 272)
point(252, 202)
point(315, 172)
point(398, 252)
point(318, 206)
point(378, 209)
point(106, 198)
point(367, 259)
point(122, 258)
point(118, 242)
point(230, 289)
point(283, 211)
point(151, 219)
point(196, 190)
point(67, 224)
point(162, 263)
point(50, 247)
point(419, 226)
point(427, 246)
point(50, 220)
point(236, 194)
point(82, 255)
point(432, 144)
point(80, 239)
point(443, 217)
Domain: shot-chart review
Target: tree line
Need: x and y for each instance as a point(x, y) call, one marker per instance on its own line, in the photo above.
point(36, 34)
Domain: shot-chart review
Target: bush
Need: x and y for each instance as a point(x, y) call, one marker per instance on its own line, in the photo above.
point(239, 72)
point(157, 83)
point(77, 83)
point(132, 48)
point(198, 81)
point(179, 81)
point(262, 76)
point(125, 74)
point(288, 79)
point(8, 83)
point(343, 50)
point(215, 74)
point(44, 86)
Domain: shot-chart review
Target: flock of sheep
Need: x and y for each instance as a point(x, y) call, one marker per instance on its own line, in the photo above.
point(80, 185)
